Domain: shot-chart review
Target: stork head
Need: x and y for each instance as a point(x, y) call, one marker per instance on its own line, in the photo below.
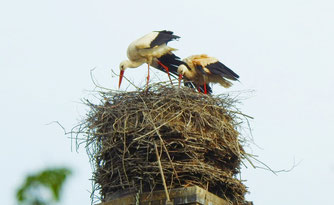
point(122, 66)
point(181, 70)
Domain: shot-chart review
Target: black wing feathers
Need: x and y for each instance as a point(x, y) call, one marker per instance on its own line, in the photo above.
point(163, 37)
point(171, 61)
point(200, 68)
point(220, 69)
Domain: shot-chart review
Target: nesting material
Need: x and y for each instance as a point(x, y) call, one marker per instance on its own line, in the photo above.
point(196, 136)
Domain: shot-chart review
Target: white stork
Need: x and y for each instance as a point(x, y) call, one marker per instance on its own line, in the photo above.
point(202, 69)
point(153, 50)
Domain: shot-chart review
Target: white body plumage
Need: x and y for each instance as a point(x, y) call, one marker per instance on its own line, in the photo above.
point(203, 69)
point(147, 49)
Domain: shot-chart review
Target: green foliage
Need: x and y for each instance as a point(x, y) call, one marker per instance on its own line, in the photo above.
point(35, 186)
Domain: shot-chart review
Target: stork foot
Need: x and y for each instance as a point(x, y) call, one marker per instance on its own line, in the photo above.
point(205, 90)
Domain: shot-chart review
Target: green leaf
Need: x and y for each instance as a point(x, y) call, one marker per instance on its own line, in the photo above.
point(51, 179)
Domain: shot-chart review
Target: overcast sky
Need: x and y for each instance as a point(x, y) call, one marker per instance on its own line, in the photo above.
point(283, 50)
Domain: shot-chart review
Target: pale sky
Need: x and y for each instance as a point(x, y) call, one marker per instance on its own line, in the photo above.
point(283, 50)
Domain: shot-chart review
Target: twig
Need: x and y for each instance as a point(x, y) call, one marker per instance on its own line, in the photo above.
point(126, 80)
point(161, 171)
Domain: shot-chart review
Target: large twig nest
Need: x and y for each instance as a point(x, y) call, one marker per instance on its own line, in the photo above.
point(196, 135)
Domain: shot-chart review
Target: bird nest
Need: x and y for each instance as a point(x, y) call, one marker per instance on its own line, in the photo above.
point(137, 140)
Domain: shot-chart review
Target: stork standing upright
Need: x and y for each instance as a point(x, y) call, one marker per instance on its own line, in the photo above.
point(203, 69)
point(153, 50)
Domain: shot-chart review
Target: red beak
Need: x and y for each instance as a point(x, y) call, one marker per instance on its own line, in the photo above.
point(180, 78)
point(120, 78)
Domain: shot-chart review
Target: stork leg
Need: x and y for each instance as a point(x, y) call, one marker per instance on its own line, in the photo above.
point(205, 89)
point(148, 75)
point(167, 70)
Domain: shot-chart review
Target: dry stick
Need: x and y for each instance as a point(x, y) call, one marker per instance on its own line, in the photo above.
point(95, 82)
point(129, 81)
point(150, 132)
point(123, 159)
point(156, 129)
point(161, 171)
point(158, 157)
point(170, 159)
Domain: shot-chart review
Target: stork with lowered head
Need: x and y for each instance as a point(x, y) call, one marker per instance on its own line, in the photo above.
point(203, 69)
point(152, 49)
